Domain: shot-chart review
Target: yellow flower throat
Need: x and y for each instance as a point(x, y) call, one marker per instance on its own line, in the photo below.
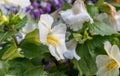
point(52, 40)
point(112, 64)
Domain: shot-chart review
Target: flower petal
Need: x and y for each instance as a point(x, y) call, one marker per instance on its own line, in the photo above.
point(29, 27)
point(53, 52)
point(21, 3)
point(107, 47)
point(59, 31)
point(115, 53)
point(71, 47)
point(57, 52)
point(104, 72)
point(44, 26)
point(102, 60)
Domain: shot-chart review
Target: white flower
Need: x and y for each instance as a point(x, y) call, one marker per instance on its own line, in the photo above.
point(71, 47)
point(16, 3)
point(54, 37)
point(76, 16)
point(112, 18)
point(108, 65)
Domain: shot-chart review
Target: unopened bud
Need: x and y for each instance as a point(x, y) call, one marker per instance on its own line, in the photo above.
point(4, 19)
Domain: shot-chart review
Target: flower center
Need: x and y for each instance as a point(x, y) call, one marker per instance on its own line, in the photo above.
point(111, 64)
point(52, 40)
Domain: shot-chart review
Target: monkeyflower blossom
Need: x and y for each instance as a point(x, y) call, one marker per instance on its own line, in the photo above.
point(108, 65)
point(53, 37)
point(76, 16)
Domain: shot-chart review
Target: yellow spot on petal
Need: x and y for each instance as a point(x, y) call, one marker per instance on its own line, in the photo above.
point(112, 64)
point(52, 40)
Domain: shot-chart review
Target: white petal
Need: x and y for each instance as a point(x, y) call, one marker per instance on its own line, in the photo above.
point(29, 27)
point(52, 50)
point(104, 72)
point(107, 47)
point(47, 20)
point(115, 53)
point(59, 31)
point(57, 52)
point(21, 3)
point(71, 53)
point(61, 49)
point(102, 60)
point(44, 26)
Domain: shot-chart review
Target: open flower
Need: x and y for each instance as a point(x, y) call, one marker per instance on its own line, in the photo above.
point(54, 37)
point(76, 16)
point(16, 3)
point(108, 65)
point(71, 47)
point(112, 17)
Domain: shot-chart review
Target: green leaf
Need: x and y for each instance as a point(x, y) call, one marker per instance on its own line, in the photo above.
point(36, 71)
point(31, 50)
point(88, 52)
point(11, 52)
point(31, 46)
point(92, 10)
point(66, 6)
point(21, 23)
point(57, 74)
point(18, 66)
point(86, 65)
point(5, 35)
point(99, 2)
point(3, 68)
point(100, 28)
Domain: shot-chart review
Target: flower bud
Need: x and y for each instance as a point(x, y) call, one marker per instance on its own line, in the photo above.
point(3, 19)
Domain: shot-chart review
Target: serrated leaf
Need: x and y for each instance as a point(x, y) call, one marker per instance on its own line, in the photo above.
point(100, 28)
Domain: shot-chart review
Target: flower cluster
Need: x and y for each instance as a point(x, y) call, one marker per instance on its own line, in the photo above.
point(80, 38)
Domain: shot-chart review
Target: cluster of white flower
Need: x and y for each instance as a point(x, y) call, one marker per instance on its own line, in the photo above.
point(54, 36)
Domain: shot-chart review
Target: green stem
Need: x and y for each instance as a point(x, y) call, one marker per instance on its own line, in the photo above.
point(14, 37)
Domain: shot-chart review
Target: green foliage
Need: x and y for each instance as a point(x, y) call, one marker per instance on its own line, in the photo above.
point(21, 23)
point(66, 6)
point(31, 46)
point(36, 71)
point(88, 52)
point(92, 10)
point(5, 35)
point(3, 68)
point(100, 28)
